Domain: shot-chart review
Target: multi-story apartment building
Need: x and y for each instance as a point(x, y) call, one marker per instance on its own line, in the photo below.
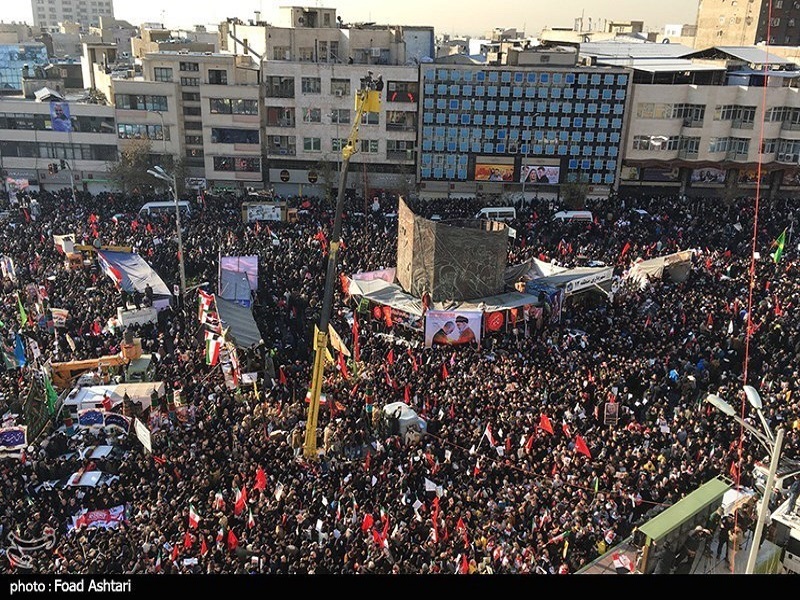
point(13, 57)
point(708, 124)
point(29, 143)
point(488, 129)
point(746, 22)
point(49, 13)
point(309, 110)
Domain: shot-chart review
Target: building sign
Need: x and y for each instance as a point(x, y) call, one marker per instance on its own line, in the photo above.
point(284, 175)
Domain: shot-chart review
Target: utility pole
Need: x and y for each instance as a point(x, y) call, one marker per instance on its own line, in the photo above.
point(764, 510)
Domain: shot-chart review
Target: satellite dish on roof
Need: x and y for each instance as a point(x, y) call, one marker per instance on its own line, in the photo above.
point(665, 41)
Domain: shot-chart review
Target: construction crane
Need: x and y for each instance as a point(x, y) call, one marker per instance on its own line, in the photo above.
point(368, 100)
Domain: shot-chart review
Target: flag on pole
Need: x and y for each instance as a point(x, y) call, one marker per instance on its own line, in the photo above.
point(488, 434)
point(444, 371)
point(233, 541)
point(241, 501)
point(779, 244)
point(52, 396)
point(203, 547)
point(544, 423)
point(580, 446)
point(356, 344)
point(187, 541)
point(213, 346)
point(23, 316)
point(390, 356)
point(343, 366)
point(194, 517)
point(261, 479)
point(281, 376)
point(251, 522)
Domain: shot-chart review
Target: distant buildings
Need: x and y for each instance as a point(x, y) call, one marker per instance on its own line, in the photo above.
point(49, 14)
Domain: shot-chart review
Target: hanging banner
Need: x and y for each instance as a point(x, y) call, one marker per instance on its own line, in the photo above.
point(60, 117)
point(13, 438)
point(91, 417)
point(452, 327)
point(106, 518)
point(143, 434)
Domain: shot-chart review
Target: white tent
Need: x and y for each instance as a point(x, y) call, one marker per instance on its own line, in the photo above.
point(407, 417)
point(676, 265)
point(92, 396)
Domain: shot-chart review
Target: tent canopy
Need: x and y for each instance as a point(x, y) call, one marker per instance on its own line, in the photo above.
point(238, 323)
point(131, 272)
point(234, 285)
point(676, 264)
point(92, 396)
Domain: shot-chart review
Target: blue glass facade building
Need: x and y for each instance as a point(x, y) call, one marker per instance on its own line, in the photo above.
point(13, 57)
point(499, 123)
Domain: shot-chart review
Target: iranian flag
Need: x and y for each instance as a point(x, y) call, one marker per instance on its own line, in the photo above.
point(204, 304)
point(213, 345)
point(194, 517)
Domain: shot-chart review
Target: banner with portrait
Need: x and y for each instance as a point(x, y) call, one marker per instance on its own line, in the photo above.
point(750, 177)
point(452, 328)
point(494, 168)
point(60, 117)
point(665, 174)
point(539, 174)
point(708, 175)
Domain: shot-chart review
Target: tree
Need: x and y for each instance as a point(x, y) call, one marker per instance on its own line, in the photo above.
point(129, 173)
point(326, 170)
point(574, 192)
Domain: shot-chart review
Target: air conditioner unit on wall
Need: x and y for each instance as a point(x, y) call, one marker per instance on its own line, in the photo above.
point(338, 93)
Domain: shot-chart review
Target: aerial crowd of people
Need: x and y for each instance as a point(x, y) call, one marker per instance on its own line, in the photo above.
point(497, 484)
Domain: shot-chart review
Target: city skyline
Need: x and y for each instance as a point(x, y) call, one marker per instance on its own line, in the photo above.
point(470, 20)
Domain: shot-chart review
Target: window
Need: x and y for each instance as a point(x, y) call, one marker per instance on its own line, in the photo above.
point(400, 149)
point(369, 118)
point(340, 115)
point(312, 115)
point(224, 135)
point(190, 81)
point(217, 77)
point(369, 146)
point(236, 163)
point(311, 85)
point(190, 97)
point(193, 125)
point(739, 146)
point(306, 54)
point(140, 102)
point(193, 140)
point(236, 106)
point(279, 87)
point(189, 66)
point(162, 74)
point(719, 144)
point(281, 53)
point(402, 91)
point(340, 87)
point(401, 120)
point(284, 145)
point(337, 144)
point(312, 144)
point(769, 146)
point(192, 111)
point(689, 145)
point(280, 116)
point(139, 132)
point(655, 143)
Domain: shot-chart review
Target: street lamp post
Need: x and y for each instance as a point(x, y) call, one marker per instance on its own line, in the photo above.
point(773, 445)
point(160, 173)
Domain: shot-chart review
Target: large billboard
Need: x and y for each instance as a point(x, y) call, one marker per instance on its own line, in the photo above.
point(534, 173)
point(494, 168)
point(452, 328)
point(60, 117)
point(708, 175)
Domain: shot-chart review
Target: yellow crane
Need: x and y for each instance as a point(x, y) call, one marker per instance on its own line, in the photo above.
point(368, 100)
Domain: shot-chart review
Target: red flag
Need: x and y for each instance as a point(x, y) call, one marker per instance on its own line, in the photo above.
point(407, 394)
point(345, 284)
point(464, 568)
point(390, 356)
point(462, 529)
point(159, 459)
point(367, 523)
point(529, 443)
point(625, 249)
point(544, 423)
point(356, 344)
point(187, 541)
point(343, 366)
point(174, 555)
point(203, 547)
point(476, 471)
point(261, 480)
point(710, 321)
point(414, 365)
point(565, 429)
point(241, 501)
point(367, 461)
point(281, 376)
point(444, 371)
point(233, 541)
point(734, 471)
point(580, 446)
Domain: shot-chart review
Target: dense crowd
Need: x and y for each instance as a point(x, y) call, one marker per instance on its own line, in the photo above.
point(377, 502)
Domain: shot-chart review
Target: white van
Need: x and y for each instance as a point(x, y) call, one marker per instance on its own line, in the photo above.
point(497, 213)
point(156, 208)
point(573, 215)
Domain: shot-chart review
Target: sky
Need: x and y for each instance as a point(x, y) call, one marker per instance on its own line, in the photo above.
point(465, 17)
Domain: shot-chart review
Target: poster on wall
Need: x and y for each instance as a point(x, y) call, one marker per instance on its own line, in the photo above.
point(708, 175)
point(388, 315)
point(452, 328)
point(541, 174)
point(629, 174)
point(665, 174)
point(492, 168)
point(60, 117)
point(750, 177)
point(790, 178)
